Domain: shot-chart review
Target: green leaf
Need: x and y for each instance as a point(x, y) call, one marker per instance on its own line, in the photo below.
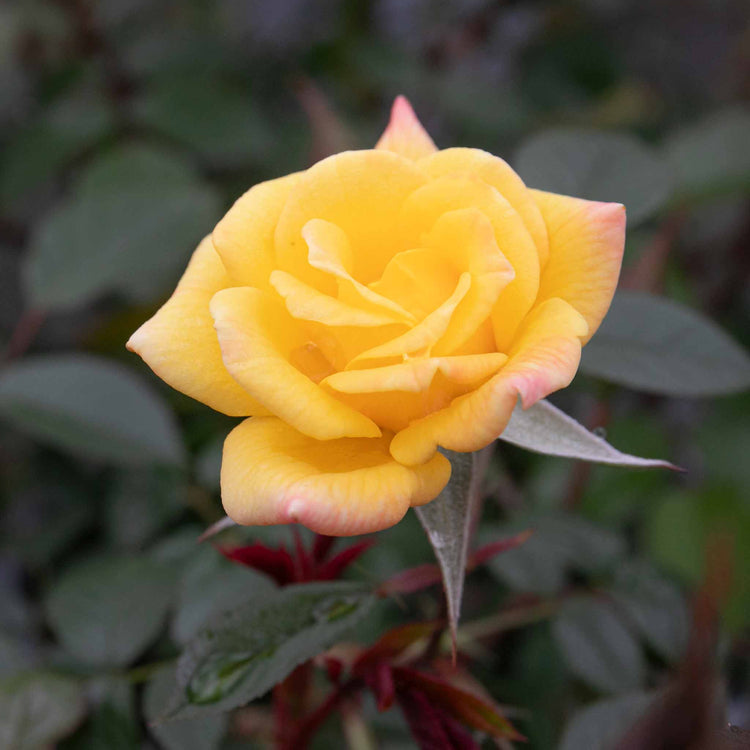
point(202, 733)
point(447, 520)
point(38, 709)
point(211, 116)
point(659, 346)
point(240, 655)
point(597, 646)
point(212, 585)
point(208, 464)
point(129, 225)
point(602, 725)
point(45, 517)
point(107, 610)
point(543, 428)
point(655, 607)
point(43, 147)
point(711, 156)
point(597, 166)
point(107, 727)
point(16, 654)
point(560, 544)
point(112, 723)
point(91, 406)
point(141, 502)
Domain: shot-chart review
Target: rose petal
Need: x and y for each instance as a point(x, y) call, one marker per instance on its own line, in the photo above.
point(543, 359)
point(586, 245)
point(418, 280)
point(244, 237)
point(307, 303)
point(468, 232)
point(273, 474)
point(441, 380)
point(425, 206)
point(423, 335)
point(258, 338)
point(179, 343)
point(498, 173)
point(359, 191)
point(329, 251)
point(416, 374)
point(405, 134)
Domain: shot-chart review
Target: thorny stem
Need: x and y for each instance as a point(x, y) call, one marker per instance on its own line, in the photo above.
point(309, 725)
point(357, 732)
point(24, 333)
point(647, 273)
point(290, 700)
point(508, 620)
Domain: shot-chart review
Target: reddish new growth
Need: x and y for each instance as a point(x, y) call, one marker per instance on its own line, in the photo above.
point(440, 702)
point(304, 565)
point(433, 695)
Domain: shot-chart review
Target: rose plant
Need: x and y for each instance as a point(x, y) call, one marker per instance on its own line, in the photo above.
point(374, 308)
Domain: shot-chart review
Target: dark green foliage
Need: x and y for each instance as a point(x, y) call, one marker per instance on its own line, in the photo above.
point(127, 128)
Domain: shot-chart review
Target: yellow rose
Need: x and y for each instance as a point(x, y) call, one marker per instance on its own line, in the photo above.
point(372, 308)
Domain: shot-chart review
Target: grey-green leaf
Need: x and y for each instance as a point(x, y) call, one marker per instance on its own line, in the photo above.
point(91, 406)
point(203, 733)
point(597, 166)
point(141, 502)
point(129, 225)
point(711, 156)
point(208, 464)
point(112, 722)
point(601, 725)
point(17, 654)
point(37, 709)
point(241, 654)
point(660, 346)
point(107, 610)
point(212, 117)
point(447, 521)
point(212, 585)
point(561, 543)
point(77, 121)
point(655, 607)
point(597, 646)
point(543, 428)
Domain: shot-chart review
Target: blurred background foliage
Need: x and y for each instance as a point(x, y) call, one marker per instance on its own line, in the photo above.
point(129, 126)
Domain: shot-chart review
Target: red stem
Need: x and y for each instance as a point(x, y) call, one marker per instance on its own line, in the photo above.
point(24, 333)
point(299, 737)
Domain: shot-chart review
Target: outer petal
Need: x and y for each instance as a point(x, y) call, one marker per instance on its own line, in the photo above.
point(498, 173)
point(272, 474)
point(586, 244)
point(543, 359)
point(244, 237)
point(405, 134)
point(179, 343)
point(258, 339)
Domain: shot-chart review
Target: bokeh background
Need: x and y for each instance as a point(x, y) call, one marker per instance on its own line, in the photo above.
point(127, 127)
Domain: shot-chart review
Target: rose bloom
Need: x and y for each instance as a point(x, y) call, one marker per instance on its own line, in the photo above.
point(373, 308)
